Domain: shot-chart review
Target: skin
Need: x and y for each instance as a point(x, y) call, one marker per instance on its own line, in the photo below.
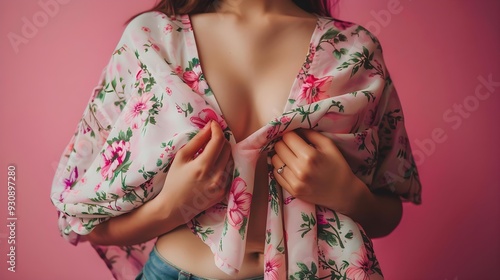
point(248, 38)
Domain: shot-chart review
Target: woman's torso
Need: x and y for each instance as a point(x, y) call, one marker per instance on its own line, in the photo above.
point(250, 66)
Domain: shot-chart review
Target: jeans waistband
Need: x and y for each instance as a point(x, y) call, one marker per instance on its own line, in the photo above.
point(157, 267)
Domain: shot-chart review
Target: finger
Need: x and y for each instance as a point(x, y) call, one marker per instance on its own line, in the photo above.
point(286, 179)
point(196, 143)
point(221, 170)
point(214, 145)
point(319, 140)
point(285, 154)
point(277, 164)
point(297, 144)
point(222, 160)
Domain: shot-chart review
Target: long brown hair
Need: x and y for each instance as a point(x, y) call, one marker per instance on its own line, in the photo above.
point(173, 7)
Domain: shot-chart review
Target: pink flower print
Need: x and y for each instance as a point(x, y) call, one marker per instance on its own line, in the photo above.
point(84, 127)
point(68, 183)
point(178, 70)
point(139, 74)
point(140, 104)
point(156, 47)
point(97, 187)
point(192, 79)
point(312, 52)
point(146, 29)
point(272, 265)
point(169, 91)
point(169, 149)
point(69, 148)
point(360, 266)
point(187, 23)
point(238, 203)
point(73, 176)
point(272, 131)
point(314, 89)
point(117, 208)
point(206, 115)
point(320, 216)
point(342, 25)
point(288, 200)
point(285, 119)
point(369, 117)
point(168, 28)
point(112, 157)
point(360, 137)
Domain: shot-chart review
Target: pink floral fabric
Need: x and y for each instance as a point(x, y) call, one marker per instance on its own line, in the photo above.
point(152, 98)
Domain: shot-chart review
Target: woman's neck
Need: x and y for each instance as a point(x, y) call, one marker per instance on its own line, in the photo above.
point(246, 9)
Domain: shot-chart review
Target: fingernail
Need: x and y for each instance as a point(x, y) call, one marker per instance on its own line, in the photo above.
point(207, 125)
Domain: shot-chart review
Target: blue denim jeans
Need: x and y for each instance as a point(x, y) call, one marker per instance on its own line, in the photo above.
point(158, 268)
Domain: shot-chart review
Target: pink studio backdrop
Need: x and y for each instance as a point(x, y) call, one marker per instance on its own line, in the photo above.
point(436, 52)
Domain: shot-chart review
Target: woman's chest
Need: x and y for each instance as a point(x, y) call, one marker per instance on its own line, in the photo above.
point(251, 72)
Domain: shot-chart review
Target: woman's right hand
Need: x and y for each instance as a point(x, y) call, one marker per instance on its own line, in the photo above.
point(198, 177)
point(195, 182)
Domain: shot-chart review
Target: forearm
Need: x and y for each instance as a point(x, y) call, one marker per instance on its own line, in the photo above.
point(378, 214)
point(140, 225)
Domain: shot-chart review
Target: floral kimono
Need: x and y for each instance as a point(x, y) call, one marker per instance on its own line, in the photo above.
point(152, 98)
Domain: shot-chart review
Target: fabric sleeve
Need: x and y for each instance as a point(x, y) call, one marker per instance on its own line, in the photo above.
point(389, 161)
point(107, 101)
point(396, 170)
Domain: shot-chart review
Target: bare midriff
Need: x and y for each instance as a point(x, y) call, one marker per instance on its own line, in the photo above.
point(186, 250)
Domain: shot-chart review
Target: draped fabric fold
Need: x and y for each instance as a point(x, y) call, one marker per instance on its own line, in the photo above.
point(152, 98)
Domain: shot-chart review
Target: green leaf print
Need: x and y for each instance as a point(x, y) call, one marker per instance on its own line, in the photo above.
point(113, 84)
point(333, 37)
point(305, 272)
point(330, 34)
point(273, 192)
point(208, 92)
point(337, 54)
point(147, 175)
point(100, 196)
point(224, 229)
point(129, 197)
point(100, 94)
point(309, 223)
point(193, 63)
point(242, 229)
point(364, 60)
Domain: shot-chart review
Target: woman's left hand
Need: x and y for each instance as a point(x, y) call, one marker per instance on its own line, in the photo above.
point(315, 170)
